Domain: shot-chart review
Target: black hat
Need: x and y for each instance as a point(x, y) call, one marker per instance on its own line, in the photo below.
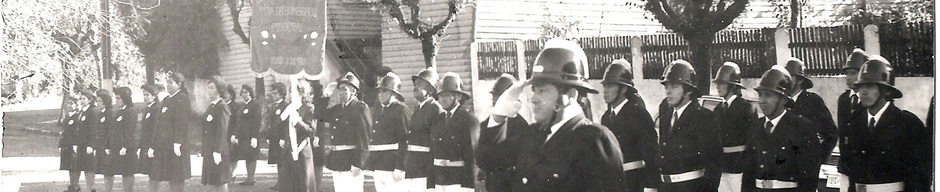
point(729, 73)
point(349, 79)
point(502, 83)
point(391, 82)
point(877, 70)
point(562, 62)
point(796, 68)
point(680, 71)
point(451, 83)
point(429, 76)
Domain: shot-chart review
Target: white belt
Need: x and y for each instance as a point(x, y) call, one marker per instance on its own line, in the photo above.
point(681, 177)
point(418, 148)
point(634, 165)
point(385, 147)
point(342, 147)
point(775, 184)
point(896, 186)
point(447, 163)
point(734, 149)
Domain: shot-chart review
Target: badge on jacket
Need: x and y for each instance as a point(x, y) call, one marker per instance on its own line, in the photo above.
point(147, 116)
point(120, 118)
point(71, 122)
point(209, 118)
point(102, 119)
point(164, 110)
point(245, 111)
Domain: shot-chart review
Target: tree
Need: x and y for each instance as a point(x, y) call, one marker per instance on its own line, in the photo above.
point(416, 28)
point(183, 36)
point(697, 21)
point(235, 8)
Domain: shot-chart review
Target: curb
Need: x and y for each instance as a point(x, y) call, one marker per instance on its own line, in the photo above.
point(43, 132)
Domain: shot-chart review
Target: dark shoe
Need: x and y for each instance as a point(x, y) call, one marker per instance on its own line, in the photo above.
point(247, 183)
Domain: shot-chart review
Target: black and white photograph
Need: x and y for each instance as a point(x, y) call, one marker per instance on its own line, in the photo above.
point(468, 95)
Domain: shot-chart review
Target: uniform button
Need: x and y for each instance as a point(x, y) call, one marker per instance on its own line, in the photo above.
point(525, 180)
point(763, 152)
point(863, 151)
point(555, 175)
point(332, 137)
point(882, 152)
point(783, 148)
point(761, 166)
point(664, 144)
point(373, 131)
point(662, 157)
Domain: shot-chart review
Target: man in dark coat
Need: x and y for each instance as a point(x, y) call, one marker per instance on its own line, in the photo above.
point(388, 141)
point(886, 148)
point(496, 162)
point(848, 103)
point(781, 151)
point(811, 106)
point(418, 160)
point(632, 125)
point(733, 116)
point(688, 135)
point(564, 151)
point(453, 141)
point(349, 136)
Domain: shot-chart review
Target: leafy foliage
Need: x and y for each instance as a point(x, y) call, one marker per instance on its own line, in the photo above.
point(916, 12)
point(183, 36)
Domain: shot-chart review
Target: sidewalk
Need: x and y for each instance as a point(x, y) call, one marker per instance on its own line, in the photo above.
point(46, 169)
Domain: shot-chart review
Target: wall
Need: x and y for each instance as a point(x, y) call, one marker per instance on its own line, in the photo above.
point(917, 93)
point(403, 54)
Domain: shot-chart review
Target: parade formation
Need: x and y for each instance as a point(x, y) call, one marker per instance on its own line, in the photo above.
point(776, 143)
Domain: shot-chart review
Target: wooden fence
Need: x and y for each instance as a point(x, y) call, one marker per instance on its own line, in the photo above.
point(909, 47)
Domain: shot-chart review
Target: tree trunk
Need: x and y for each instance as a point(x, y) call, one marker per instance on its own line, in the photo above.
point(794, 13)
point(700, 62)
point(429, 48)
point(148, 66)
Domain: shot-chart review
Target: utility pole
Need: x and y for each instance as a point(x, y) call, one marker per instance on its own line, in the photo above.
point(106, 72)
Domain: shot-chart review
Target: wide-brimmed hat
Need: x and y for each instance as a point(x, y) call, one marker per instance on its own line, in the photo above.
point(729, 73)
point(391, 82)
point(429, 76)
point(562, 62)
point(451, 83)
point(796, 68)
point(877, 70)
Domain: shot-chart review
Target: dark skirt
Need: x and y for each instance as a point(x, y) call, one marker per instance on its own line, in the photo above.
point(102, 162)
point(216, 174)
point(85, 161)
point(123, 164)
point(68, 160)
point(144, 163)
point(169, 167)
point(296, 175)
point(244, 151)
point(274, 153)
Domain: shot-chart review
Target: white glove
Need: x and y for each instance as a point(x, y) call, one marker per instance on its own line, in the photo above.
point(89, 150)
point(123, 151)
point(217, 157)
point(75, 148)
point(176, 149)
point(254, 143)
point(281, 143)
point(398, 175)
point(355, 171)
point(234, 141)
point(138, 153)
point(107, 151)
point(650, 190)
point(316, 141)
point(508, 104)
point(150, 153)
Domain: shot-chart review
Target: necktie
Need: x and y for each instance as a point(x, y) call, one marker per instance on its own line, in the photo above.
point(871, 124)
point(675, 117)
point(769, 127)
point(610, 112)
point(854, 101)
point(543, 134)
point(724, 105)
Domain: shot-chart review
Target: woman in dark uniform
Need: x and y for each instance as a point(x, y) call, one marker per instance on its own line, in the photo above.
point(234, 107)
point(215, 143)
point(123, 152)
point(103, 127)
point(146, 164)
point(247, 133)
point(171, 146)
point(87, 136)
point(68, 147)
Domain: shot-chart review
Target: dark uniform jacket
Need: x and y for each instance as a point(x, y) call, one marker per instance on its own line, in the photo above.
point(454, 140)
point(500, 152)
point(176, 113)
point(147, 127)
point(249, 127)
point(689, 145)
point(70, 136)
point(390, 127)
point(87, 137)
point(215, 139)
point(633, 127)
point(322, 133)
point(418, 164)
point(896, 149)
point(844, 112)
point(733, 123)
point(580, 156)
point(786, 154)
point(811, 106)
point(351, 127)
point(103, 126)
point(121, 135)
point(274, 132)
point(297, 175)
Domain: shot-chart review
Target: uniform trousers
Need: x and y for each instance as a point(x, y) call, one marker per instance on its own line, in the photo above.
point(385, 181)
point(730, 182)
point(346, 181)
point(419, 184)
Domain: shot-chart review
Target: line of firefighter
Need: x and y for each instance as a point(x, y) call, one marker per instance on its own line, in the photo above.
point(435, 147)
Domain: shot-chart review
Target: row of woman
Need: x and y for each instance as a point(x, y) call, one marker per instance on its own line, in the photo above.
point(99, 137)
